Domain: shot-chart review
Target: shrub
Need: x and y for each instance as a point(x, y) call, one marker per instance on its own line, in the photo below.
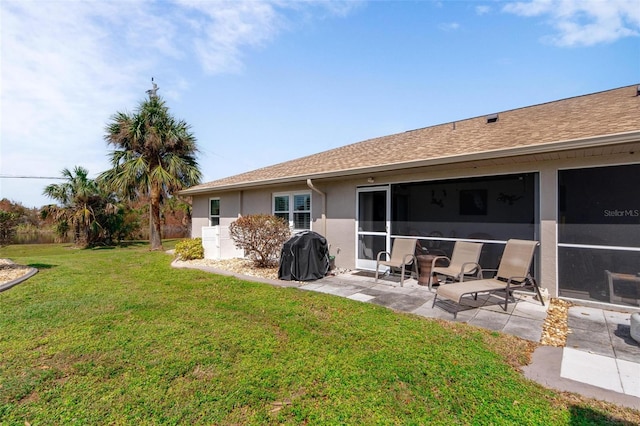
point(261, 236)
point(190, 249)
point(8, 225)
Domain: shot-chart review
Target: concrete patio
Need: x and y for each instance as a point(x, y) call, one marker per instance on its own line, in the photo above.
point(523, 318)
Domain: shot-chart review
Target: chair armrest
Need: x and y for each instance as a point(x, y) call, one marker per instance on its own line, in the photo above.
point(381, 253)
point(435, 260)
point(519, 281)
point(476, 266)
point(482, 272)
point(624, 277)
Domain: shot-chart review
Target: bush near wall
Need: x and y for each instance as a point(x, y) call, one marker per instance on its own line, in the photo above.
point(261, 236)
point(189, 249)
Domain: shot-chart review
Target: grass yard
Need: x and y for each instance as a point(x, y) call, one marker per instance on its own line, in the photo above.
point(116, 336)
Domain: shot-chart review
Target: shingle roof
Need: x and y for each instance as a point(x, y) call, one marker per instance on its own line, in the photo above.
point(604, 113)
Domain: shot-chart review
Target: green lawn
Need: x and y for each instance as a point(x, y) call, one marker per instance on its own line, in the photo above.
point(116, 336)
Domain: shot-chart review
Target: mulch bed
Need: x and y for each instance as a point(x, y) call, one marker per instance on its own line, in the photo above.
point(555, 328)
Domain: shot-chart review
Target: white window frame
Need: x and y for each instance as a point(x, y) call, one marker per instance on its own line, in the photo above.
point(291, 211)
point(211, 215)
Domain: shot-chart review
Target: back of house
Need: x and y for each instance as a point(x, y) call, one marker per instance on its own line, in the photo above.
point(564, 173)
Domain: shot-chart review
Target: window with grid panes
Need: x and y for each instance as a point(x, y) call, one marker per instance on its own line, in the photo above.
point(295, 209)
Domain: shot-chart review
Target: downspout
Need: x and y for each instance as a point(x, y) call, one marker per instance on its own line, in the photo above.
point(324, 206)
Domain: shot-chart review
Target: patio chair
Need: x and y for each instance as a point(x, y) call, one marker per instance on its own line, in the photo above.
point(464, 261)
point(402, 255)
point(512, 273)
point(623, 288)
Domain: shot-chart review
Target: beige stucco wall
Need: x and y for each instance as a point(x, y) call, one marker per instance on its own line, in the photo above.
point(229, 208)
point(230, 203)
point(547, 275)
point(199, 214)
point(341, 220)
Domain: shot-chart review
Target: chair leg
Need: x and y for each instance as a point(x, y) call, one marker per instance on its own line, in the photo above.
point(457, 308)
point(508, 293)
point(402, 277)
point(535, 285)
point(377, 273)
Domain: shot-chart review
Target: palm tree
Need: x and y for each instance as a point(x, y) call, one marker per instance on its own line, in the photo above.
point(77, 197)
point(154, 157)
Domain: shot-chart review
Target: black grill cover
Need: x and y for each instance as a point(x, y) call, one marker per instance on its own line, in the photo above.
point(304, 257)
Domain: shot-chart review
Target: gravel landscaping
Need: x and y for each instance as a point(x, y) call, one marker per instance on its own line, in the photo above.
point(9, 271)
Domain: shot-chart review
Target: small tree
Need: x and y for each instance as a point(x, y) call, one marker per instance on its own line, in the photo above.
point(8, 225)
point(87, 209)
point(261, 236)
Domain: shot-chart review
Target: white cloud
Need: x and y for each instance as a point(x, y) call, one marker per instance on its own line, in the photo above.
point(449, 26)
point(584, 22)
point(60, 79)
point(483, 10)
point(223, 29)
point(67, 66)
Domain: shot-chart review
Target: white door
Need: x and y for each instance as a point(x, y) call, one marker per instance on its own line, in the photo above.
point(372, 224)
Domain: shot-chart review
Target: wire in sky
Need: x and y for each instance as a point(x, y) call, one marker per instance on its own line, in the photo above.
point(29, 177)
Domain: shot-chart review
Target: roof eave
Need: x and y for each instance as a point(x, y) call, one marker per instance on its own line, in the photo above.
point(582, 143)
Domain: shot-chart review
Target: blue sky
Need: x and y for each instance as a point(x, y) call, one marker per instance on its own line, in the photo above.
point(263, 82)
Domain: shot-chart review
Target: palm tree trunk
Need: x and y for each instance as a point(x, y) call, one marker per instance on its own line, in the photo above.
point(76, 233)
point(155, 237)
